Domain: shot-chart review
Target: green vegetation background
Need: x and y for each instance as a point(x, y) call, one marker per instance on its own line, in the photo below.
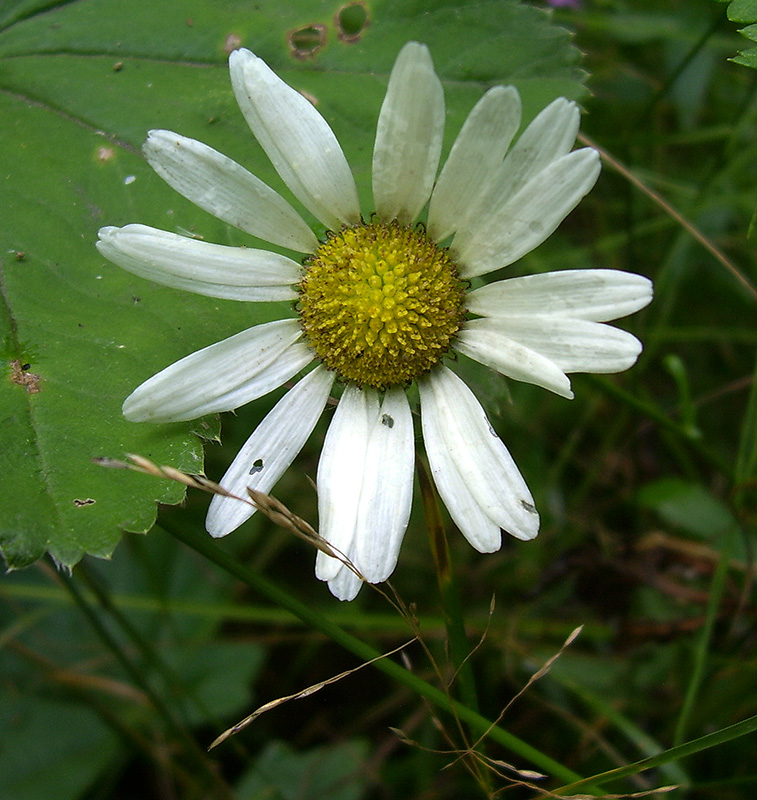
point(117, 676)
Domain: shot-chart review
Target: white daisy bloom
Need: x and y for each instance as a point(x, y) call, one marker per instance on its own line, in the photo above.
point(379, 304)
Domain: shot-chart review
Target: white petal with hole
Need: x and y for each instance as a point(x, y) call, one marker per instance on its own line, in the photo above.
point(575, 345)
point(231, 273)
point(527, 218)
point(451, 412)
point(269, 452)
point(340, 474)
point(592, 294)
point(485, 342)
point(477, 152)
point(223, 376)
point(408, 136)
point(226, 190)
point(387, 489)
point(298, 140)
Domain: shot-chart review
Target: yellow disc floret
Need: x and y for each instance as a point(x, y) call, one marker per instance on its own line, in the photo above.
point(380, 303)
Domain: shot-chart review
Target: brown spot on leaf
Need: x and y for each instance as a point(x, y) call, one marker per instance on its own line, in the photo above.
point(231, 43)
point(309, 97)
point(105, 154)
point(21, 377)
point(81, 503)
point(306, 41)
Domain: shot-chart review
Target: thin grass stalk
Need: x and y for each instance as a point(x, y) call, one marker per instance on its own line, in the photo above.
point(205, 546)
point(700, 655)
point(726, 734)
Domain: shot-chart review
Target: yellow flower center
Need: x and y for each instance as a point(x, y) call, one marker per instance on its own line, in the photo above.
point(380, 303)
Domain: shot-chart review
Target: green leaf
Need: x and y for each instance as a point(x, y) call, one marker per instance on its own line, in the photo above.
point(81, 85)
point(688, 506)
point(37, 765)
point(745, 11)
point(217, 675)
point(335, 772)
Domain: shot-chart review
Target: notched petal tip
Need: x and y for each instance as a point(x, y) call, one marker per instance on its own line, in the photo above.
point(240, 56)
point(159, 135)
point(104, 238)
point(159, 141)
point(243, 63)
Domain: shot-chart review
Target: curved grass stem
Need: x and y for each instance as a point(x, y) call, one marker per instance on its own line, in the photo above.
point(204, 545)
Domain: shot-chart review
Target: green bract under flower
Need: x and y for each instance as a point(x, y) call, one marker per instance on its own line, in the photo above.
point(380, 304)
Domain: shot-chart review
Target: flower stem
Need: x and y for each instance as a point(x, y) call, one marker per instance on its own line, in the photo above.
point(457, 639)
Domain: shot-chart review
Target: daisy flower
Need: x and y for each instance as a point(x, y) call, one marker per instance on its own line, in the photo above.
point(380, 302)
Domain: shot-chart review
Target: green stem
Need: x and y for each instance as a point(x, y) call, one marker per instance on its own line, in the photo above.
point(556, 630)
point(203, 544)
point(457, 639)
point(689, 748)
point(700, 656)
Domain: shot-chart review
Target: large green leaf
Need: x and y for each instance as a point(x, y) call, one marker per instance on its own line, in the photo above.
point(80, 84)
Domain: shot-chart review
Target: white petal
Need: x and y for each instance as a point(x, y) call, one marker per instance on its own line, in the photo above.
point(232, 273)
point(549, 137)
point(298, 140)
point(345, 584)
point(228, 191)
point(482, 532)
point(575, 345)
point(450, 410)
point(485, 342)
point(269, 452)
point(593, 294)
point(340, 474)
point(387, 489)
point(528, 217)
point(476, 154)
point(408, 136)
point(225, 375)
